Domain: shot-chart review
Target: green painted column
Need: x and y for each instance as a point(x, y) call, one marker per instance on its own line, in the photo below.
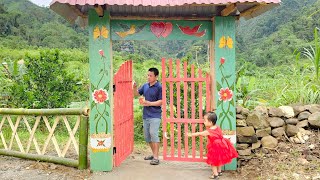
point(225, 76)
point(101, 125)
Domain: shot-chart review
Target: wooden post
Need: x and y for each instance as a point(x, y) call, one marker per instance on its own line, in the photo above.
point(83, 142)
point(36, 157)
point(101, 84)
point(225, 76)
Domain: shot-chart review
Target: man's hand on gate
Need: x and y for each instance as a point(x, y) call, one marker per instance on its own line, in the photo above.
point(134, 85)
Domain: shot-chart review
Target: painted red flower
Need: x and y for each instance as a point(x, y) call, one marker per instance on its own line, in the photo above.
point(99, 96)
point(101, 52)
point(222, 60)
point(225, 94)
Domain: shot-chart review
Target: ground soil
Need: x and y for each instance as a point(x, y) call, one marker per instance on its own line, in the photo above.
point(287, 161)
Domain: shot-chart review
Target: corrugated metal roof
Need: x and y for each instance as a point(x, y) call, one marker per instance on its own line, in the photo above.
point(76, 10)
point(157, 2)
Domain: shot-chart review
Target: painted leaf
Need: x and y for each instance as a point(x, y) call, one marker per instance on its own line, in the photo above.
point(232, 87)
point(219, 103)
point(93, 86)
point(222, 80)
point(218, 86)
point(232, 102)
point(93, 104)
point(228, 76)
point(106, 86)
point(231, 113)
point(220, 115)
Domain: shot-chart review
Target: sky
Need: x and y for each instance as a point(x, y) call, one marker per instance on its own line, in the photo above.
point(41, 2)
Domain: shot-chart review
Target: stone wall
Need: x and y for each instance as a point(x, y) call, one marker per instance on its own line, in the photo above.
point(263, 128)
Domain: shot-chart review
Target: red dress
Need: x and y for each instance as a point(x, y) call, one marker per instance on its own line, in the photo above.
point(220, 149)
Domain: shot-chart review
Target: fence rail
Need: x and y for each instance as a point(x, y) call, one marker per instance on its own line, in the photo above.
point(34, 122)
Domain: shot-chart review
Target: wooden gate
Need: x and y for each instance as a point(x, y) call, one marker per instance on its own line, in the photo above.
point(123, 113)
point(185, 98)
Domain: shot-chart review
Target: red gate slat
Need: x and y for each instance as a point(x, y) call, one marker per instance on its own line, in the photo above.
point(171, 110)
point(193, 114)
point(185, 106)
point(178, 108)
point(200, 114)
point(164, 108)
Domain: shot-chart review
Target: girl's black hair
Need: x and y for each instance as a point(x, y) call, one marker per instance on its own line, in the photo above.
point(212, 117)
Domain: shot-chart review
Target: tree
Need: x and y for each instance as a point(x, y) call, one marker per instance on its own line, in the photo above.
point(45, 83)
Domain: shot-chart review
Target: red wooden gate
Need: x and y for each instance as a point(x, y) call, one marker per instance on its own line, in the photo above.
point(123, 113)
point(183, 111)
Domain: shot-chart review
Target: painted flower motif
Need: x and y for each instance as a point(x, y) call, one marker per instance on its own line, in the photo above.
point(225, 94)
point(222, 60)
point(99, 96)
point(101, 52)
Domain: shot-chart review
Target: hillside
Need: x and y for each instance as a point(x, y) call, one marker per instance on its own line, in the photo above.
point(269, 39)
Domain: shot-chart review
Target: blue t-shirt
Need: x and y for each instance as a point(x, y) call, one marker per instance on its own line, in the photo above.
point(152, 94)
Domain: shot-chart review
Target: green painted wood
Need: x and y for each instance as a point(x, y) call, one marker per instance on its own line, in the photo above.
point(100, 57)
point(225, 74)
point(166, 30)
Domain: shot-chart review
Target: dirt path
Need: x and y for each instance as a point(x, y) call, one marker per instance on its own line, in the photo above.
point(136, 168)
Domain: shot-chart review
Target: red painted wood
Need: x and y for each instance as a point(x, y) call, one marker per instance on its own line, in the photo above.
point(164, 108)
point(171, 110)
point(178, 108)
point(185, 106)
point(185, 79)
point(195, 120)
point(200, 114)
point(182, 120)
point(123, 120)
point(193, 113)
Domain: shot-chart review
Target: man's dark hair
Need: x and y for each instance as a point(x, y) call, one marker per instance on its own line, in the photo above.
point(155, 71)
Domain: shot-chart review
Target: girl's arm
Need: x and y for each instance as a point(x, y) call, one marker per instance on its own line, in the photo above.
point(203, 133)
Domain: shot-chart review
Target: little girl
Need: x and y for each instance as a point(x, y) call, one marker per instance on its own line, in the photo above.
point(220, 150)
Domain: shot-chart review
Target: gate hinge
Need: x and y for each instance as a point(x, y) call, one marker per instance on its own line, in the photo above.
point(114, 150)
point(114, 88)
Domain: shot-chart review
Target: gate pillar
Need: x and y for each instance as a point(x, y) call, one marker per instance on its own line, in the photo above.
point(101, 125)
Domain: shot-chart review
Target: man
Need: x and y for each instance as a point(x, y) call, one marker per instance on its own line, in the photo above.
point(152, 92)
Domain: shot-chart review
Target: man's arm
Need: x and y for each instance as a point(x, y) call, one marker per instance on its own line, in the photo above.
point(135, 90)
point(155, 103)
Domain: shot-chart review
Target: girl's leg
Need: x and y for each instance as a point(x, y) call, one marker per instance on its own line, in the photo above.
point(219, 170)
point(215, 170)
